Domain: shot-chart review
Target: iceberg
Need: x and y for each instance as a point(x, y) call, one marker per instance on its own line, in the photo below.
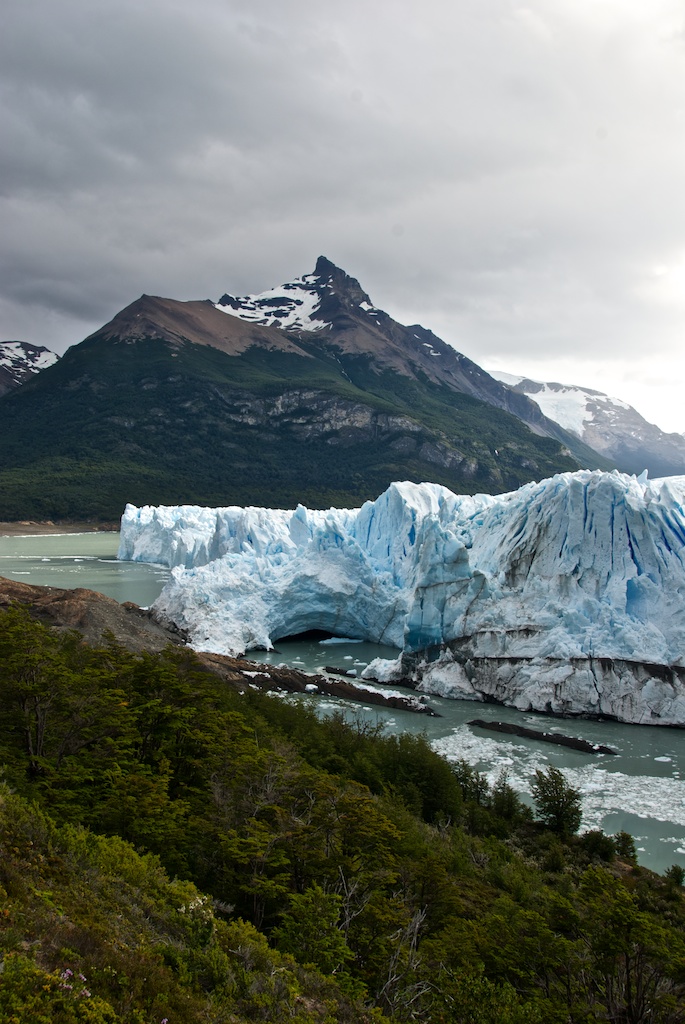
point(565, 596)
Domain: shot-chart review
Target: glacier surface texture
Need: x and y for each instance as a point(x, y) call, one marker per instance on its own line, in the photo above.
point(565, 596)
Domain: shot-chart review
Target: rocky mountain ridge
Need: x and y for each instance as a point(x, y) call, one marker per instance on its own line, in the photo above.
point(197, 322)
point(327, 313)
point(331, 310)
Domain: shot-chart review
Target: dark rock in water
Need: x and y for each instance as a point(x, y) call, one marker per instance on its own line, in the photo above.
point(350, 673)
point(339, 688)
point(546, 737)
point(243, 672)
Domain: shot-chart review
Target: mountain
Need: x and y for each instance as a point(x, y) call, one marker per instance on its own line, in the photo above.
point(20, 360)
point(610, 426)
point(305, 393)
point(332, 308)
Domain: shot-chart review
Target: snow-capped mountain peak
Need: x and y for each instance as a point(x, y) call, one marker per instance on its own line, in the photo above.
point(21, 353)
point(609, 425)
point(19, 360)
point(330, 310)
point(572, 407)
point(309, 303)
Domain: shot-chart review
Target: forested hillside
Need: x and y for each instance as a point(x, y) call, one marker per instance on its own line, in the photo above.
point(174, 850)
point(153, 423)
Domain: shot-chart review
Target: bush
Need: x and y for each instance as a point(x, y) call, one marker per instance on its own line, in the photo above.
point(598, 845)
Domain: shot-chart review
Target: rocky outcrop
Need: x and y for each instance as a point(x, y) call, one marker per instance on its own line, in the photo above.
point(310, 414)
point(92, 614)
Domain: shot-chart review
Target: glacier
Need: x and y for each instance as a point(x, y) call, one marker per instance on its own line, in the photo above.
point(565, 596)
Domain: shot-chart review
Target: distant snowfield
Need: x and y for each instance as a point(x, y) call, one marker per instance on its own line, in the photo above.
point(570, 407)
point(13, 352)
point(20, 358)
point(567, 407)
point(567, 595)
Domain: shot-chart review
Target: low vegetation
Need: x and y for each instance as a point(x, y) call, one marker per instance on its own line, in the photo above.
point(172, 850)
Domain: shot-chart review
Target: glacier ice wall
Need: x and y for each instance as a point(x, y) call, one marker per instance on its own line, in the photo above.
point(243, 577)
point(567, 595)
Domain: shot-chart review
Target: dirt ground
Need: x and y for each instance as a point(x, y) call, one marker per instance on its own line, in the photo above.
point(30, 528)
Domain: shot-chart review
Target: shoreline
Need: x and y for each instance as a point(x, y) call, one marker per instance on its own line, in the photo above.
point(31, 528)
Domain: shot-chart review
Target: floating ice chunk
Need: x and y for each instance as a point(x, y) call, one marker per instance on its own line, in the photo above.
point(332, 640)
point(384, 670)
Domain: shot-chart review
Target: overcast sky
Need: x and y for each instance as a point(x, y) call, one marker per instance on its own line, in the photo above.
point(510, 175)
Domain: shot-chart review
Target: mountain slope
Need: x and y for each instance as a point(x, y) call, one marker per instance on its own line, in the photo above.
point(608, 425)
point(332, 311)
point(20, 360)
point(152, 317)
point(176, 402)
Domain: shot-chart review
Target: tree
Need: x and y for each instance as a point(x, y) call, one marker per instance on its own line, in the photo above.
point(558, 804)
point(635, 959)
point(676, 874)
point(311, 930)
point(625, 846)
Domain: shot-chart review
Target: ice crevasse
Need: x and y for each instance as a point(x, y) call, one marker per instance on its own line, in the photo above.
point(566, 596)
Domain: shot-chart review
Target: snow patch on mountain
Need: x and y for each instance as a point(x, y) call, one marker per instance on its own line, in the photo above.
point(573, 408)
point(16, 353)
point(297, 305)
point(567, 595)
point(291, 306)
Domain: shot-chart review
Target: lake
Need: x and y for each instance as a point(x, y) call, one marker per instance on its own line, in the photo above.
point(81, 560)
point(640, 790)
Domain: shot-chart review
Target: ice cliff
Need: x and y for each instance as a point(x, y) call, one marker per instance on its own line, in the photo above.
point(567, 595)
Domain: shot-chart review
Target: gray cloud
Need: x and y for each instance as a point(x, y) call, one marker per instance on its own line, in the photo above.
point(509, 175)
